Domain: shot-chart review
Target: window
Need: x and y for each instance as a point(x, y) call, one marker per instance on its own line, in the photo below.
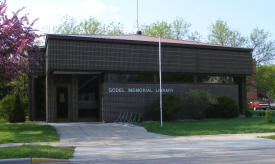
point(214, 79)
point(131, 78)
point(88, 88)
point(177, 78)
point(148, 78)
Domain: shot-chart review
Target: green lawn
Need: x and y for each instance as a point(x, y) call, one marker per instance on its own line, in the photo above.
point(26, 132)
point(211, 127)
point(36, 151)
point(269, 137)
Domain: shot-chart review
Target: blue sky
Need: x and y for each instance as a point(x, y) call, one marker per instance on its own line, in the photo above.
point(241, 15)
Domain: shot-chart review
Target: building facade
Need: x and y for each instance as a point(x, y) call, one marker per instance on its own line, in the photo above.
point(98, 77)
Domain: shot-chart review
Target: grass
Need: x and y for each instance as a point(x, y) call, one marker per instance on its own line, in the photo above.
point(269, 137)
point(211, 127)
point(36, 151)
point(26, 132)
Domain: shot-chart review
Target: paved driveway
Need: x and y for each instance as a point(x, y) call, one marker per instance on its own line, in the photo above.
point(123, 144)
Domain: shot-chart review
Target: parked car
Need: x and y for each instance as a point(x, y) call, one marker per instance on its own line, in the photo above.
point(272, 104)
point(258, 104)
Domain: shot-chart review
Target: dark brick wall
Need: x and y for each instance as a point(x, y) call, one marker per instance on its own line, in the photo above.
point(79, 55)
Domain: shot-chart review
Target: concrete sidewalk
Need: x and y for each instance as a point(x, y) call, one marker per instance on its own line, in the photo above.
point(123, 143)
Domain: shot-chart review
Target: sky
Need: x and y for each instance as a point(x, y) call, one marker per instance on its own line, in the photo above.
point(241, 15)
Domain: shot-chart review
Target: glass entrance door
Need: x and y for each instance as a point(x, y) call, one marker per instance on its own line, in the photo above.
point(62, 102)
point(88, 98)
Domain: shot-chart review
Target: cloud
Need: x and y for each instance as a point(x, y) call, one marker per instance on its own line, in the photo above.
point(50, 12)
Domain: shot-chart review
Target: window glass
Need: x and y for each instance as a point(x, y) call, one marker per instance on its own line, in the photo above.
point(148, 78)
point(213, 79)
point(88, 88)
point(177, 78)
point(124, 78)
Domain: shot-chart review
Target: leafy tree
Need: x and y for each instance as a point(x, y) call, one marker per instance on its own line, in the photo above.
point(67, 26)
point(161, 29)
point(178, 29)
point(259, 40)
point(194, 36)
point(19, 85)
point(262, 45)
point(265, 77)
point(220, 33)
point(16, 40)
point(87, 26)
point(113, 29)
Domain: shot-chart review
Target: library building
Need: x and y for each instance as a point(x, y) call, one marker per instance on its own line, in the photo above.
point(98, 77)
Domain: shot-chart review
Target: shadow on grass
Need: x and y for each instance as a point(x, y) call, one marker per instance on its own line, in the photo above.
point(36, 151)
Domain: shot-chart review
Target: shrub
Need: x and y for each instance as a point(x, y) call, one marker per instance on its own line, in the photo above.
point(136, 117)
point(248, 113)
point(226, 107)
point(25, 105)
point(11, 109)
point(18, 114)
point(172, 107)
point(268, 116)
point(6, 106)
point(198, 104)
point(260, 113)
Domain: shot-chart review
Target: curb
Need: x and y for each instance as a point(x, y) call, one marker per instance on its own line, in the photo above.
point(30, 160)
point(40, 160)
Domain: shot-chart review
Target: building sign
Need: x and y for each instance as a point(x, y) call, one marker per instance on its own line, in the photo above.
point(139, 90)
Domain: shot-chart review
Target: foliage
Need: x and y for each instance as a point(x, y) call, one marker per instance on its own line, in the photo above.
point(25, 105)
point(87, 26)
point(265, 78)
point(16, 40)
point(12, 109)
point(18, 114)
point(172, 107)
point(269, 137)
point(198, 102)
point(268, 116)
point(137, 117)
point(263, 46)
point(36, 151)
point(7, 106)
point(161, 29)
point(26, 132)
point(259, 113)
point(248, 113)
point(19, 85)
point(178, 29)
point(226, 107)
point(210, 126)
point(220, 33)
point(259, 40)
point(4, 89)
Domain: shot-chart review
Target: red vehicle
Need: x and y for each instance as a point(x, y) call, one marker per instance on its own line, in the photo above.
point(258, 104)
